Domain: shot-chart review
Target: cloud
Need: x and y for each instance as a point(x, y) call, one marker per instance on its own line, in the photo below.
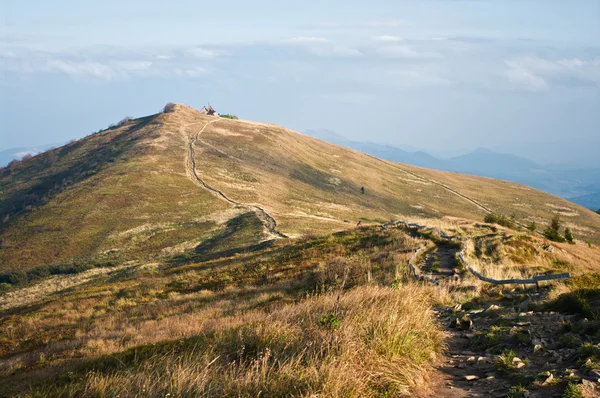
point(198, 52)
point(306, 40)
point(195, 71)
point(406, 52)
point(538, 74)
point(367, 24)
point(106, 71)
point(388, 38)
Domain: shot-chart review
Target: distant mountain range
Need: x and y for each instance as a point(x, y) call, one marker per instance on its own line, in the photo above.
point(581, 186)
point(11, 154)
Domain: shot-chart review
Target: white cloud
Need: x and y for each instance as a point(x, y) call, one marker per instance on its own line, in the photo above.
point(306, 40)
point(195, 71)
point(203, 53)
point(368, 24)
point(537, 74)
point(165, 56)
point(406, 52)
point(107, 71)
point(388, 38)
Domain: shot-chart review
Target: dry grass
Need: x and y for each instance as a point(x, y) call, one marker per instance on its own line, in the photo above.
point(284, 289)
point(384, 344)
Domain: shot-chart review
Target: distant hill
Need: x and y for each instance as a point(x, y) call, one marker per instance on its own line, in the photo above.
point(171, 182)
point(11, 154)
point(581, 186)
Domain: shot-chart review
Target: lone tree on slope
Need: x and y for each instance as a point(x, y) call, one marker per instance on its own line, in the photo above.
point(569, 236)
point(553, 231)
point(362, 190)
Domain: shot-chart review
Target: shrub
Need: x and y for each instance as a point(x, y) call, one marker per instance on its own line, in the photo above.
point(573, 391)
point(124, 121)
point(170, 107)
point(569, 236)
point(500, 220)
point(532, 227)
point(517, 392)
point(227, 116)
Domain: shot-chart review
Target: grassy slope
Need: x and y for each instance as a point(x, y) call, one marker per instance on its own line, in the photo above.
point(234, 326)
point(124, 192)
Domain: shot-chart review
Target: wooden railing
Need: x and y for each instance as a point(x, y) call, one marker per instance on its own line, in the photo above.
point(532, 281)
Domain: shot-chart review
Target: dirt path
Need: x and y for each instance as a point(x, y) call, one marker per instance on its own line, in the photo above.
point(441, 263)
point(192, 172)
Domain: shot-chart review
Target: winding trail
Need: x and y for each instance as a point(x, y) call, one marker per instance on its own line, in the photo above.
point(191, 170)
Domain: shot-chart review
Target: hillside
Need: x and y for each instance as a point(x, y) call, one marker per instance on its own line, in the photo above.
point(187, 255)
point(169, 182)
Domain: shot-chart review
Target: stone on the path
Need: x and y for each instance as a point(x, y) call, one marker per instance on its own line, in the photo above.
point(548, 379)
point(454, 323)
point(466, 323)
point(461, 365)
point(520, 365)
point(492, 307)
point(482, 360)
point(538, 348)
point(471, 378)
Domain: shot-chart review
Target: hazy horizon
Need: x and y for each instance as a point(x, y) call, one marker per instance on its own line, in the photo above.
point(434, 75)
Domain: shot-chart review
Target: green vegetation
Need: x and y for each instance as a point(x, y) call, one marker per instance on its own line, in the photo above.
point(517, 391)
point(582, 299)
point(553, 231)
point(500, 220)
point(569, 236)
point(532, 227)
point(573, 391)
point(227, 116)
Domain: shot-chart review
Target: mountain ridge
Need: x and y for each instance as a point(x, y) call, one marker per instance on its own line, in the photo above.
point(130, 192)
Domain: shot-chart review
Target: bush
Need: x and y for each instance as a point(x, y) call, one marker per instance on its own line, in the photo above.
point(500, 220)
point(227, 116)
point(170, 107)
point(569, 236)
point(124, 121)
point(532, 227)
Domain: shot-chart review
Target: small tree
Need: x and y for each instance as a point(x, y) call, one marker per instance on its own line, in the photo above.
point(362, 190)
point(532, 227)
point(170, 107)
point(553, 231)
point(569, 236)
point(598, 211)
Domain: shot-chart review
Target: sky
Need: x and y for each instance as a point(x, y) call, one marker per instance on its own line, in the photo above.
point(441, 75)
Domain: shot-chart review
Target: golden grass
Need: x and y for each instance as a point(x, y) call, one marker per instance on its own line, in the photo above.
point(384, 344)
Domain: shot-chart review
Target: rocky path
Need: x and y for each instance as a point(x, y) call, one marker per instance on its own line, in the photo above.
point(495, 351)
point(267, 220)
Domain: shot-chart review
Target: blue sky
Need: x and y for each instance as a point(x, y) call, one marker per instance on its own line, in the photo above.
point(440, 75)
